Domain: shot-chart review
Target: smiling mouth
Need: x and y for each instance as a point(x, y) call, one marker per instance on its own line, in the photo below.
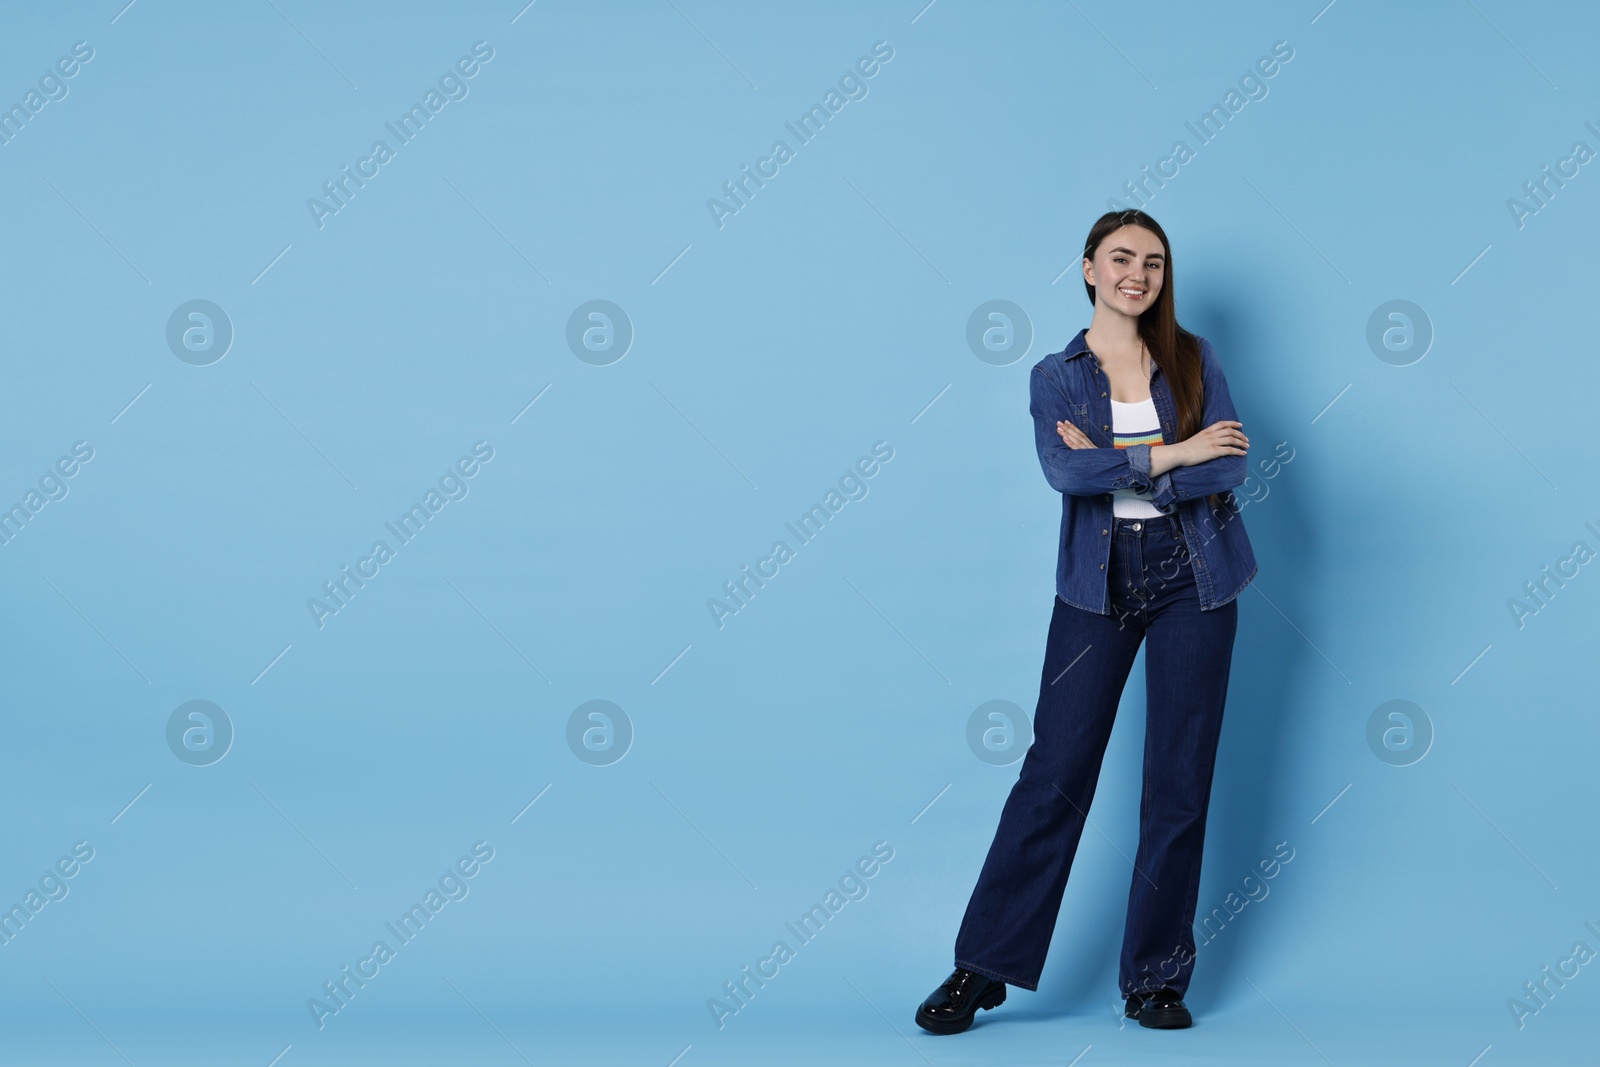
point(1131, 294)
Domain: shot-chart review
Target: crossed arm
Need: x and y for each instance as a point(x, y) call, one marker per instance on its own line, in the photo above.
point(1073, 464)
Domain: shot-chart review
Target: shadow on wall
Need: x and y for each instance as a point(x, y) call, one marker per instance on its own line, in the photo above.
point(1252, 808)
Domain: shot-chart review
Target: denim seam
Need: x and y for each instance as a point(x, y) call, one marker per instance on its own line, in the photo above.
point(1141, 853)
point(1080, 607)
point(1202, 576)
point(1225, 601)
point(1135, 931)
point(1191, 897)
point(1192, 894)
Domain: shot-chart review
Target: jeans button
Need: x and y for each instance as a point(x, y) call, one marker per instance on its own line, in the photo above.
point(1136, 526)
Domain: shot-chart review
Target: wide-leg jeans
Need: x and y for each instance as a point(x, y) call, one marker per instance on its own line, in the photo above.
point(1012, 913)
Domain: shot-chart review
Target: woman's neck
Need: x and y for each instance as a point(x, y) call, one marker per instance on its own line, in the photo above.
point(1116, 340)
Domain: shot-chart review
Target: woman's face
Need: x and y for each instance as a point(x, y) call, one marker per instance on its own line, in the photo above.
point(1127, 270)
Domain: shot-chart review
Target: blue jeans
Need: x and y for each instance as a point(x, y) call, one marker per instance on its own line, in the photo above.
point(1012, 913)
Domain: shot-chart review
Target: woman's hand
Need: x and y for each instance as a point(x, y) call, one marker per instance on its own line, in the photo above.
point(1073, 437)
point(1225, 438)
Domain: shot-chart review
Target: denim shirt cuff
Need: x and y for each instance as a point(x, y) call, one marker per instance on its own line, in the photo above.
point(1163, 494)
point(1139, 461)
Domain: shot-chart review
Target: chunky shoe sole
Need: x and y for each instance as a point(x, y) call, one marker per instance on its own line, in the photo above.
point(1173, 1018)
point(992, 999)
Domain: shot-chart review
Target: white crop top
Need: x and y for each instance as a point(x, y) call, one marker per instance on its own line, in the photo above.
point(1134, 424)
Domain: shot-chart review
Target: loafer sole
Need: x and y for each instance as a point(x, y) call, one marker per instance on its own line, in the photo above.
point(992, 999)
point(1166, 1018)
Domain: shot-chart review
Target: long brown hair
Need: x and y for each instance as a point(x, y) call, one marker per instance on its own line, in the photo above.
point(1172, 348)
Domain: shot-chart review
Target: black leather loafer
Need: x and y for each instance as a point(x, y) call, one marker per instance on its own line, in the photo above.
point(1159, 1009)
point(950, 1008)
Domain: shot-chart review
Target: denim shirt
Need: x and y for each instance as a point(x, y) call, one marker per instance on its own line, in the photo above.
point(1069, 385)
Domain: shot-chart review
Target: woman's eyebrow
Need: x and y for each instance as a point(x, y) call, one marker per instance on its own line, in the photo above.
point(1131, 252)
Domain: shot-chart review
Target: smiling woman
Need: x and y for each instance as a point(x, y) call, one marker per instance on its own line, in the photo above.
point(1136, 431)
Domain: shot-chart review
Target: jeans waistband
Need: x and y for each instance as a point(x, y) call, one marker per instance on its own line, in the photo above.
point(1169, 525)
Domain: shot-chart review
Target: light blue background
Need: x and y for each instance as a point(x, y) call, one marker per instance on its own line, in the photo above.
point(831, 713)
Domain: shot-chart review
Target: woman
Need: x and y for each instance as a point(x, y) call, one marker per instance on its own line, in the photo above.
point(1136, 430)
